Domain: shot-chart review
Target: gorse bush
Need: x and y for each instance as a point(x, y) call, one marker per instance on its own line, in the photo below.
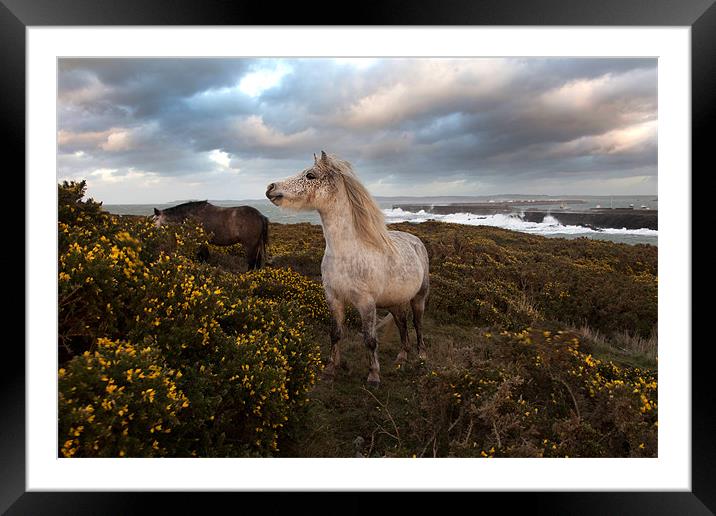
point(298, 247)
point(534, 393)
point(72, 209)
point(169, 357)
point(515, 279)
point(243, 356)
point(103, 264)
point(471, 298)
point(284, 284)
point(118, 401)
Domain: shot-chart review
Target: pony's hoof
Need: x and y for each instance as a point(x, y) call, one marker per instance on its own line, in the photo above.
point(329, 373)
point(401, 359)
point(373, 384)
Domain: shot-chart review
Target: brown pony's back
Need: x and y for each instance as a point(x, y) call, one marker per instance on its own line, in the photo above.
point(240, 224)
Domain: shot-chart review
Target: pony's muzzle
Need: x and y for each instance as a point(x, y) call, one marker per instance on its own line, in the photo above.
point(272, 194)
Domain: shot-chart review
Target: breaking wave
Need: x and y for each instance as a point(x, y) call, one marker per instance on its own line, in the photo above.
point(549, 226)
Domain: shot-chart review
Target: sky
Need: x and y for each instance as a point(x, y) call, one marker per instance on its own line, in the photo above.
point(158, 130)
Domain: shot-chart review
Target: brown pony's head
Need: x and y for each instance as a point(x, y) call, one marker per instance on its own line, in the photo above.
point(158, 218)
point(177, 214)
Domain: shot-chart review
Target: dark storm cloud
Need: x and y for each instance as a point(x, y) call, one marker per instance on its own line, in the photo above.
point(146, 87)
point(491, 121)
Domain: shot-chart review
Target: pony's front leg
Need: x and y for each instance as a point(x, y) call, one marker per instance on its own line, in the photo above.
point(337, 329)
point(368, 316)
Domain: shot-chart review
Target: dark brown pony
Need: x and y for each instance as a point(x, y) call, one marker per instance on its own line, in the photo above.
point(241, 224)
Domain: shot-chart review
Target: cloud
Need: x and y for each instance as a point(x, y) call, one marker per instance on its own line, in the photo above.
point(423, 125)
point(431, 88)
point(254, 133)
point(256, 82)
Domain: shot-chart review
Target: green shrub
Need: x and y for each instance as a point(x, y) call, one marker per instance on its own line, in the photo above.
point(535, 393)
point(298, 247)
point(120, 400)
point(306, 295)
point(241, 354)
point(98, 279)
point(490, 276)
point(245, 359)
point(72, 209)
point(461, 295)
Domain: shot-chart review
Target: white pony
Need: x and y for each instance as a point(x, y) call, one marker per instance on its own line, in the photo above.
point(364, 264)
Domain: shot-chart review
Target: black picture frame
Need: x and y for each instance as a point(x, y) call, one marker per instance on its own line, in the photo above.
point(17, 15)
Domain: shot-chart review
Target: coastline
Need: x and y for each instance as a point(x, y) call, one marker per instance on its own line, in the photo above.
point(515, 220)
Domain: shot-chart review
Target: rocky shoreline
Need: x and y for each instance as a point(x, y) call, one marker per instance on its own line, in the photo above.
point(595, 218)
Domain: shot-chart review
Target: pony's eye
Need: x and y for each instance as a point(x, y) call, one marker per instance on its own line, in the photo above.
point(310, 175)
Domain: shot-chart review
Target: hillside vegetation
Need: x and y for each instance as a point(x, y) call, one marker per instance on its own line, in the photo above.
point(536, 347)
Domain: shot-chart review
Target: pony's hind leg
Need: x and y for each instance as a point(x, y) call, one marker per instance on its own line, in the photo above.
point(400, 316)
point(202, 254)
point(251, 257)
point(418, 306)
point(368, 317)
point(337, 329)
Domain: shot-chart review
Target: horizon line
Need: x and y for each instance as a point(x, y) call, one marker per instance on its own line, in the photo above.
point(557, 196)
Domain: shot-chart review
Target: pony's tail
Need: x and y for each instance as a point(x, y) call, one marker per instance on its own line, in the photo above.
point(385, 320)
point(263, 242)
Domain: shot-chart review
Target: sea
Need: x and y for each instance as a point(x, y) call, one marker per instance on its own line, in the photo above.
point(513, 220)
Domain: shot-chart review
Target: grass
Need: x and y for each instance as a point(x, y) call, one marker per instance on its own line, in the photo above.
point(621, 347)
point(345, 419)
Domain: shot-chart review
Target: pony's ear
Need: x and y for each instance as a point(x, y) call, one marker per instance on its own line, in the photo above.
point(156, 212)
point(315, 159)
point(324, 157)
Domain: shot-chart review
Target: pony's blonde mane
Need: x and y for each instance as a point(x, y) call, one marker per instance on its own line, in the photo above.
point(368, 220)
